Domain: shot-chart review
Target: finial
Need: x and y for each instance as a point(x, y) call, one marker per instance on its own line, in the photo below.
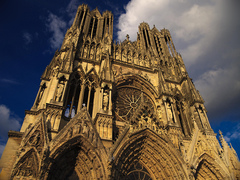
point(220, 132)
point(127, 36)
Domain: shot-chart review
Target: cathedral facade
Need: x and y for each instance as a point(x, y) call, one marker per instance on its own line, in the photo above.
point(108, 110)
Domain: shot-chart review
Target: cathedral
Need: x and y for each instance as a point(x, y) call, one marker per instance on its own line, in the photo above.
point(116, 110)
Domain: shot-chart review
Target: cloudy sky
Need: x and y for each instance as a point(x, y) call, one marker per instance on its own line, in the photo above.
point(205, 32)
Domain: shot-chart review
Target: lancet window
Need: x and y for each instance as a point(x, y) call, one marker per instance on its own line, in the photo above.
point(72, 97)
point(181, 114)
point(169, 45)
point(88, 98)
point(93, 27)
point(158, 44)
point(80, 94)
point(106, 25)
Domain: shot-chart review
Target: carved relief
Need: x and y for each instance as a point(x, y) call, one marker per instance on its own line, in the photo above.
point(27, 167)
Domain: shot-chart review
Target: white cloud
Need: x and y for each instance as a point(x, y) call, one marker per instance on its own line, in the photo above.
point(71, 10)
point(58, 27)
point(233, 135)
point(8, 81)
point(8, 121)
point(58, 24)
point(27, 38)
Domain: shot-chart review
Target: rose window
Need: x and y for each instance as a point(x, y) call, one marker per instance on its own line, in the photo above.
point(128, 100)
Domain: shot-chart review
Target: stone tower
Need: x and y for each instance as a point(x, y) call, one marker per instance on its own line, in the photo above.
point(108, 110)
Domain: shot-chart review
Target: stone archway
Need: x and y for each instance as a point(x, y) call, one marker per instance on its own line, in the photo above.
point(75, 159)
point(149, 155)
point(208, 169)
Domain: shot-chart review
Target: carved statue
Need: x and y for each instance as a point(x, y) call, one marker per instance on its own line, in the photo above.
point(42, 89)
point(55, 70)
point(169, 111)
point(105, 100)
point(59, 92)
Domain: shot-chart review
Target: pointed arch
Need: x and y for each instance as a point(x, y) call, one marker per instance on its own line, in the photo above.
point(76, 151)
point(27, 165)
point(155, 153)
point(76, 157)
point(208, 168)
point(72, 93)
point(137, 81)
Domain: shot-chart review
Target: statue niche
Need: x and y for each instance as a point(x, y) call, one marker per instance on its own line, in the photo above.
point(40, 94)
point(169, 112)
point(105, 98)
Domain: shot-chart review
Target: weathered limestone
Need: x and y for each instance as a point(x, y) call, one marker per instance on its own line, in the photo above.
point(108, 110)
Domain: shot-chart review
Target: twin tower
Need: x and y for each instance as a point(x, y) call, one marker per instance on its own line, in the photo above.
point(108, 110)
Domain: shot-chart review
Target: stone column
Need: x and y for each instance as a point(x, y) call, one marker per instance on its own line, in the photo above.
point(147, 35)
point(110, 102)
point(64, 90)
point(164, 101)
point(89, 96)
point(174, 117)
point(81, 97)
point(82, 19)
point(170, 46)
point(101, 98)
point(175, 52)
point(206, 118)
point(92, 27)
point(95, 103)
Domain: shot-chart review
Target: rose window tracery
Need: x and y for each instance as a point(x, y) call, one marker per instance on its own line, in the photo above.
point(128, 101)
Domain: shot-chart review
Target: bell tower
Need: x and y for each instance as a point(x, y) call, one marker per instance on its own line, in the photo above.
point(125, 110)
point(78, 73)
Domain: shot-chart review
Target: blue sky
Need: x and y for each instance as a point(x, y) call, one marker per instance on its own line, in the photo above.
point(205, 32)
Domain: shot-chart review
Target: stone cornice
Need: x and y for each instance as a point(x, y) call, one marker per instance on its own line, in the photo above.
point(133, 66)
point(32, 112)
point(54, 106)
point(15, 134)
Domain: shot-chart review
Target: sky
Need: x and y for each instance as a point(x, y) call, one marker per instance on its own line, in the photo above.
point(205, 33)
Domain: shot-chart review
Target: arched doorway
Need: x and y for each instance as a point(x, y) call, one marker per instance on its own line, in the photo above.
point(147, 155)
point(76, 159)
